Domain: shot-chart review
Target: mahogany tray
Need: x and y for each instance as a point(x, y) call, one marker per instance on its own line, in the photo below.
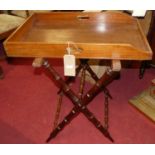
point(105, 35)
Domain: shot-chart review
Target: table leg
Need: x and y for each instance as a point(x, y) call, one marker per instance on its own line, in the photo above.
point(82, 83)
point(106, 112)
point(94, 76)
point(107, 95)
point(1, 73)
point(60, 97)
point(58, 109)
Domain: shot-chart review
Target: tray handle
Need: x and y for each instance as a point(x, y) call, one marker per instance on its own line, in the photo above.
point(81, 17)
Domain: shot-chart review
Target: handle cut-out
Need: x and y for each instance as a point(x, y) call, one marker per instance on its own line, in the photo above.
point(83, 17)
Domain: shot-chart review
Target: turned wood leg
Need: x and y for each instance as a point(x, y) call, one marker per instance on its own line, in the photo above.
point(1, 73)
point(142, 69)
point(60, 97)
point(94, 76)
point(57, 113)
point(106, 112)
point(82, 83)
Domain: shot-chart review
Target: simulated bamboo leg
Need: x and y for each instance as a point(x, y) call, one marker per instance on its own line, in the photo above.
point(1, 73)
point(70, 79)
point(57, 114)
point(94, 76)
point(82, 83)
point(60, 97)
point(106, 112)
point(80, 105)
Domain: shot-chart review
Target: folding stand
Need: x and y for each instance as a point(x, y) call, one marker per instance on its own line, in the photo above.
point(80, 102)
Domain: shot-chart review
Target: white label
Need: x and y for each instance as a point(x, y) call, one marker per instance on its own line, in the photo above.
point(139, 13)
point(69, 65)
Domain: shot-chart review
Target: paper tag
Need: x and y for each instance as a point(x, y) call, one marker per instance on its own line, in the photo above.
point(69, 65)
point(139, 13)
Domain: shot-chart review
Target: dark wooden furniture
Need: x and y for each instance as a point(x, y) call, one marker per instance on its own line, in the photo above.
point(107, 35)
point(8, 23)
point(151, 36)
point(151, 40)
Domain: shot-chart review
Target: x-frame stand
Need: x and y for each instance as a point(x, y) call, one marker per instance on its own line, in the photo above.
point(80, 102)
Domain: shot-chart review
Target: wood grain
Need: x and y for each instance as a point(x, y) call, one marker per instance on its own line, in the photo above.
point(106, 35)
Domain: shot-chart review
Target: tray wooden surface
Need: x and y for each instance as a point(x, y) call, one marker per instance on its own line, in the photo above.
point(105, 35)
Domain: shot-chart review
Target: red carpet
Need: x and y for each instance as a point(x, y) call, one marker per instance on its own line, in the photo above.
point(28, 101)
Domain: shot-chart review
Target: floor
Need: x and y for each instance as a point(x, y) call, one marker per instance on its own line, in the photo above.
point(28, 101)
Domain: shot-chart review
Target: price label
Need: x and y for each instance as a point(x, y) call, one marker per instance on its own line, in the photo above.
point(69, 65)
